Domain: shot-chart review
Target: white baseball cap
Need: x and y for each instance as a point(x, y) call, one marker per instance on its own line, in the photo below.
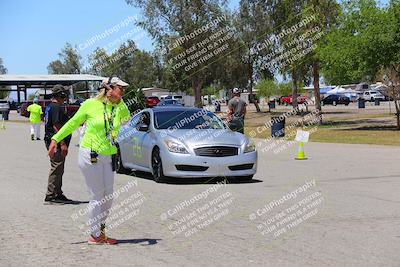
point(236, 90)
point(116, 81)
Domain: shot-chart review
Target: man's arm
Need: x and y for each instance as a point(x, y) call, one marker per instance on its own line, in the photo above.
point(230, 110)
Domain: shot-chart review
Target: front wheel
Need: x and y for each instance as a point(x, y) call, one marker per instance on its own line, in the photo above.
point(156, 165)
point(119, 166)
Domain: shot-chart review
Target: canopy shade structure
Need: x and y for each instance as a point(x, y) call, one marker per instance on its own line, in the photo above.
point(336, 90)
point(23, 82)
point(39, 81)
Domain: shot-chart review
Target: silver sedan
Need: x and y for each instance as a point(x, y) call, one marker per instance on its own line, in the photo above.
point(184, 142)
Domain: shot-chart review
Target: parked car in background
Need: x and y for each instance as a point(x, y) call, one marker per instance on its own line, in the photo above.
point(336, 99)
point(169, 103)
point(4, 105)
point(184, 142)
point(287, 100)
point(4, 109)
point(372, 95)
point(152, 101)
point(178, 98)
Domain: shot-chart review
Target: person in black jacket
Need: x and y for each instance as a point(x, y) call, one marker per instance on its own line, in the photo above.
point(55, 117)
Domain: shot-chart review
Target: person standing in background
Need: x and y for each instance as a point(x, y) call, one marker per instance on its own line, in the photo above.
point(236, 112)
point(35, 114)
point(55, 117)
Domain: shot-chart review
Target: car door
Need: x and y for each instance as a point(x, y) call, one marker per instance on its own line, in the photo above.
point(143, 140)
point(127, 134)
point(327, 100)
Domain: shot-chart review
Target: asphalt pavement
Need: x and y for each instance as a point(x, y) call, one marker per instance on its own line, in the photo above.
point(338, 208)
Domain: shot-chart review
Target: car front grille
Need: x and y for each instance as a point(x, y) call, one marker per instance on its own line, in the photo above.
point(216, 151)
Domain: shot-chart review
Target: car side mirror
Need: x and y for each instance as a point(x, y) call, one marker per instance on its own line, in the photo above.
point(143, 127)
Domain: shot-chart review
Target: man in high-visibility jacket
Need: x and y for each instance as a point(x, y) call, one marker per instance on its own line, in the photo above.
point(35, 114)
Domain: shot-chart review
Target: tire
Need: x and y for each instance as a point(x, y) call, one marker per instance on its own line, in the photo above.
point(334, 103)
point(119, 166)
point(372, 99)
point(156, 164)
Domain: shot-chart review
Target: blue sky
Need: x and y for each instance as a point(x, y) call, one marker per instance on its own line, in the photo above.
point(34, 32)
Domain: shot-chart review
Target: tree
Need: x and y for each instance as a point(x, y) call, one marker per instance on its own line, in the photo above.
point(176, 24)
point(69, 62)
point(286, 14)
point(252, 25)
point(358, 47)
point(366, 42)
point(392, 81)
point(3, 70)
point(325, 13)
point(138, 68)
point(267, 88)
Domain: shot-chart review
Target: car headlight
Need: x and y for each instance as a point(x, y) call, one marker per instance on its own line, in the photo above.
point(175, 147)
point(250, 147)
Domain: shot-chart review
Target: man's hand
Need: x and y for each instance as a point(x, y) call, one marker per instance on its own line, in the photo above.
point(64, 150)
point(52, 148)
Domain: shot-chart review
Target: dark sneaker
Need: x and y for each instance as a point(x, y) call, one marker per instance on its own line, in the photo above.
point(64, 199)
point(38, 138)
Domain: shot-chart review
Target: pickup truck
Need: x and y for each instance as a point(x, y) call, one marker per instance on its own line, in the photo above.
point(71, 108)
point(372, 95)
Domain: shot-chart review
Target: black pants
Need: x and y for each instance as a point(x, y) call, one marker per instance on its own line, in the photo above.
point(237, 125)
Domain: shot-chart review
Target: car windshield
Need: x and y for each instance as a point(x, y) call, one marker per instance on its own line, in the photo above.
point(187, 119)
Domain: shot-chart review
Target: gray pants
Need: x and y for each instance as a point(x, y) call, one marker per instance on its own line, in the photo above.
point(55, 175)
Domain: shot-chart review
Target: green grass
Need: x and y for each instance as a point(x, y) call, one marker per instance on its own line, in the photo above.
point(346, 135)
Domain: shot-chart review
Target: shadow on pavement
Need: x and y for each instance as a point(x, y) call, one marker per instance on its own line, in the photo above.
point(77, 202)
point(190, 181)
point(150, 241)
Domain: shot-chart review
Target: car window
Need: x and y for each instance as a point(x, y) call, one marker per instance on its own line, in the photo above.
point(168, 97)
point(188, 119)
point(178, 97)
point(135, 119)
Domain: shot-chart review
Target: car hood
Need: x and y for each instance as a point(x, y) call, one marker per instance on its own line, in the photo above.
point(205, 137)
